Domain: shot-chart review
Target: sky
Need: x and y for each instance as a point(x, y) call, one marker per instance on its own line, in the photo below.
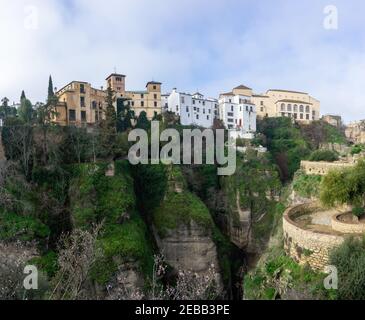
point(205, 45)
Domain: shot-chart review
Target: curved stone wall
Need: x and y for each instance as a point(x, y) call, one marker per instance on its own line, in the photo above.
point(307, 246)
point(347, 227)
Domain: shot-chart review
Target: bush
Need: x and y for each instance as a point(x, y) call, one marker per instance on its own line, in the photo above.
point(357, 149)
point(358, 211)
point(306, 186)
point(323, 155)
point(349, 260)
point(16, 227)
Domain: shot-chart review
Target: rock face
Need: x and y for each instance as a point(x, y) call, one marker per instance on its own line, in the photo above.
point(189, 248)
point(340, 148)
point(355, 132)
point(240, 231)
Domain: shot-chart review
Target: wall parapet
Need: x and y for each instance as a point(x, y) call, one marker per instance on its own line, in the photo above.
point(322, 168)
point(307, 246)
point(347, 227)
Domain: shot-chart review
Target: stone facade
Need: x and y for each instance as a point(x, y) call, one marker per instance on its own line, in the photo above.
point(307, 246)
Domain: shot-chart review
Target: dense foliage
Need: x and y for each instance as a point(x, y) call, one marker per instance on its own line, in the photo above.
point(324, 155)
point(349, 260)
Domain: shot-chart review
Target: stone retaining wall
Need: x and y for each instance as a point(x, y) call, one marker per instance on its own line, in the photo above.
point(347, 227)
point(307, 246)
point(322, 168)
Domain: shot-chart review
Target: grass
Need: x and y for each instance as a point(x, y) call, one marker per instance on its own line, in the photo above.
point(16, 227)
point(181, 208)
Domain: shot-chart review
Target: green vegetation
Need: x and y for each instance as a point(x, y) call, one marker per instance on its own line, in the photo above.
point(16, 227)
point(358, 148)
point(280, 277)
point(320, 132)
point(286, 143)
point(46, 263)
point(306, 186)
point(345, 186)
point(181, 208)
point(349, 260)
point(324, 155)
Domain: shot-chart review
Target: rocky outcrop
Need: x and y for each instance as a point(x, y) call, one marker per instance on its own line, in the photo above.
point(342, 149)
point(189, 248)
point(355, 132)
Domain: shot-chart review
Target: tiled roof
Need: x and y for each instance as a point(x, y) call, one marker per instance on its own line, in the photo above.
point(243, 87)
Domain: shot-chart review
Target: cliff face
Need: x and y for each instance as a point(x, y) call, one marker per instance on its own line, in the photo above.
point(355, 132)
point(189, 247)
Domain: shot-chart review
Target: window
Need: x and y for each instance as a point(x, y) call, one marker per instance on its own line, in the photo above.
point(203, 111)
point(230, 100)
point(289, 108)
point(155, 104)
point(197, 117)
point(282, 107)
point(210, 111)
point(198, 109)
point(230, 114)
point(262, 103)
point(82, 102)
point(142, 96)
point(155, 96)
point(251, 109)
point(177, 108)
point(207, 117)
point(118, 79)
point(307, 109)
point(82, 88)
point(72, 115)
point(203, 103)
point(132, 103)
point(230, 120)
point(182, 99)
point(262, 109)
point(187, 109)
point(142, 103)
point(295, 116)
point(307, 116)
point(232, 108)
point(295, 108)
point(301, 109)
point(193, 101)
point(96, 116)
point(119, 88)
point(154, 87)
point(301, 116)
point(83, 116)
point(94, 104)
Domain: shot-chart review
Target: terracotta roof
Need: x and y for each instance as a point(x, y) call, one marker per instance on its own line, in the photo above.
point(116, 75)
point(153, 82)
point(227, 94)
point(295, 101)
point(243, 87)
point(281, 90)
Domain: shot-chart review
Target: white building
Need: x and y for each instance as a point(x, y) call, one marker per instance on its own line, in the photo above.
point(165, 102)
point(193, 109)
point(238, 112)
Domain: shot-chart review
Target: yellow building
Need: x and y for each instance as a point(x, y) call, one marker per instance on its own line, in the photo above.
point(80, 104)
point(299, 106)
point(148, 100)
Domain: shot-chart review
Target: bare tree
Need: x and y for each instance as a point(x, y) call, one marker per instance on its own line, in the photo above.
point(77, 254)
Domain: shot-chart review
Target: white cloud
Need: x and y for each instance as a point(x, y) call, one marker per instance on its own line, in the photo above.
point(192, 44)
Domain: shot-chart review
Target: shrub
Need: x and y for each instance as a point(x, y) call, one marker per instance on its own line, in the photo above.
point(323, 155)
point(306, 186)
point(357, 149)
point(16, 227)
point(349, 260)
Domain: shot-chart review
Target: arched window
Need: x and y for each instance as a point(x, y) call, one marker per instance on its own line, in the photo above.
point(295, 108)
point(307, 109)
point(289, 108)
point(283, 107)
point(301, 108)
